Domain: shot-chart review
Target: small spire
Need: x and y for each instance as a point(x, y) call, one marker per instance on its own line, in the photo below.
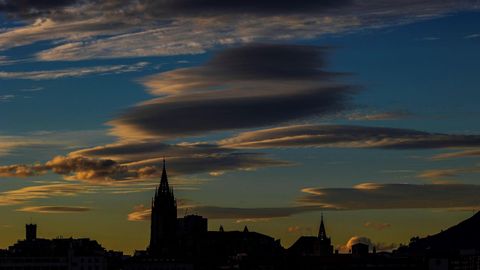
point(164, 180)
point(322, 234)
point(245, 229)
point(221, 229)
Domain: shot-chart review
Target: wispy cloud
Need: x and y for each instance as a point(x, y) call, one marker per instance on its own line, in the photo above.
point(26, 194)
point(379, 226)
point(441, 174)
point(72, 72)
point(376, 116)
point(393, 196)
point(6, 98)
point(54, 209)
point(45, 140)
point(472, 36)
point(141, 213)
point(461, 154)
point(93, 29)
point(344, 136)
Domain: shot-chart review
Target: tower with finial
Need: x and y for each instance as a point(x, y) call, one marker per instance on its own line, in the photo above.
point(163, 224)
point(324, 242)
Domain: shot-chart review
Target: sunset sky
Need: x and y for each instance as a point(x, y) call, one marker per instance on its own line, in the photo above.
point(267, 113)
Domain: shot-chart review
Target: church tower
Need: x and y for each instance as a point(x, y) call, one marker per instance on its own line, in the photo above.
point(324, 242)
point(163, 224)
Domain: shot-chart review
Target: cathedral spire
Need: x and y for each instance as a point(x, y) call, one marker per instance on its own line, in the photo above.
point(163, 219)
point(164, 180)
point(322, 234)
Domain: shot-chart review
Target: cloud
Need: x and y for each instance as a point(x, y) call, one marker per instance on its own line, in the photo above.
point(348, 137)
point(33, 7)
point(21, 170)
point(8, 144)
point(376, 226)
point(44, 141)
point(361, 197)
point(377, 116)
point(440, 174)
point(6, 98)
point(182, 158)
point(106, 170)
point(54, 209)
point(105, 29)
point(263, 7)
point(393, 196)
point(461, 154)
point(81, 168)
point(26, 194)
point(130, 151)
point(141, 213)
point(355, 240)
point(215, 164)
point(275, 83)
point(472, 36)
point(71, 72)
point(365, 240)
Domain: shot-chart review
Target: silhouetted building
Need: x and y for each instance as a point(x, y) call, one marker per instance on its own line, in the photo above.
point(192, 225)
point(163, 231)
point(61, 253)
point(30, 232)
point(359, 249)
point(313, 246)
point(325, 243)
point(185, 243)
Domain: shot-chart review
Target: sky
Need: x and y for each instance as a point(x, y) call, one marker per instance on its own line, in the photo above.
point(268, 113)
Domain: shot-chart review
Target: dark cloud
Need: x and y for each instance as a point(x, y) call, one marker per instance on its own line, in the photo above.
point(393, 196)
point(21, 170)
point(219, 7)
point(253, 86)
point(140, 213)
point(86, 29)
point(361, 197)
point(216, 212)
point(183, 158)
point(348, 136)
point(267, 61)
point(213, 164)
point(133, 161)
point(79, 168)
point(132, 151)
point(173, 8)
point(34, 7)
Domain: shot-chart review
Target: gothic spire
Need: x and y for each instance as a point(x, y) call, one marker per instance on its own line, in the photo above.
point(164, 180)
point(322, 234)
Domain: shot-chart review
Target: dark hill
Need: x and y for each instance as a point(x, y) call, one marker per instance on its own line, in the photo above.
point(463, 236)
